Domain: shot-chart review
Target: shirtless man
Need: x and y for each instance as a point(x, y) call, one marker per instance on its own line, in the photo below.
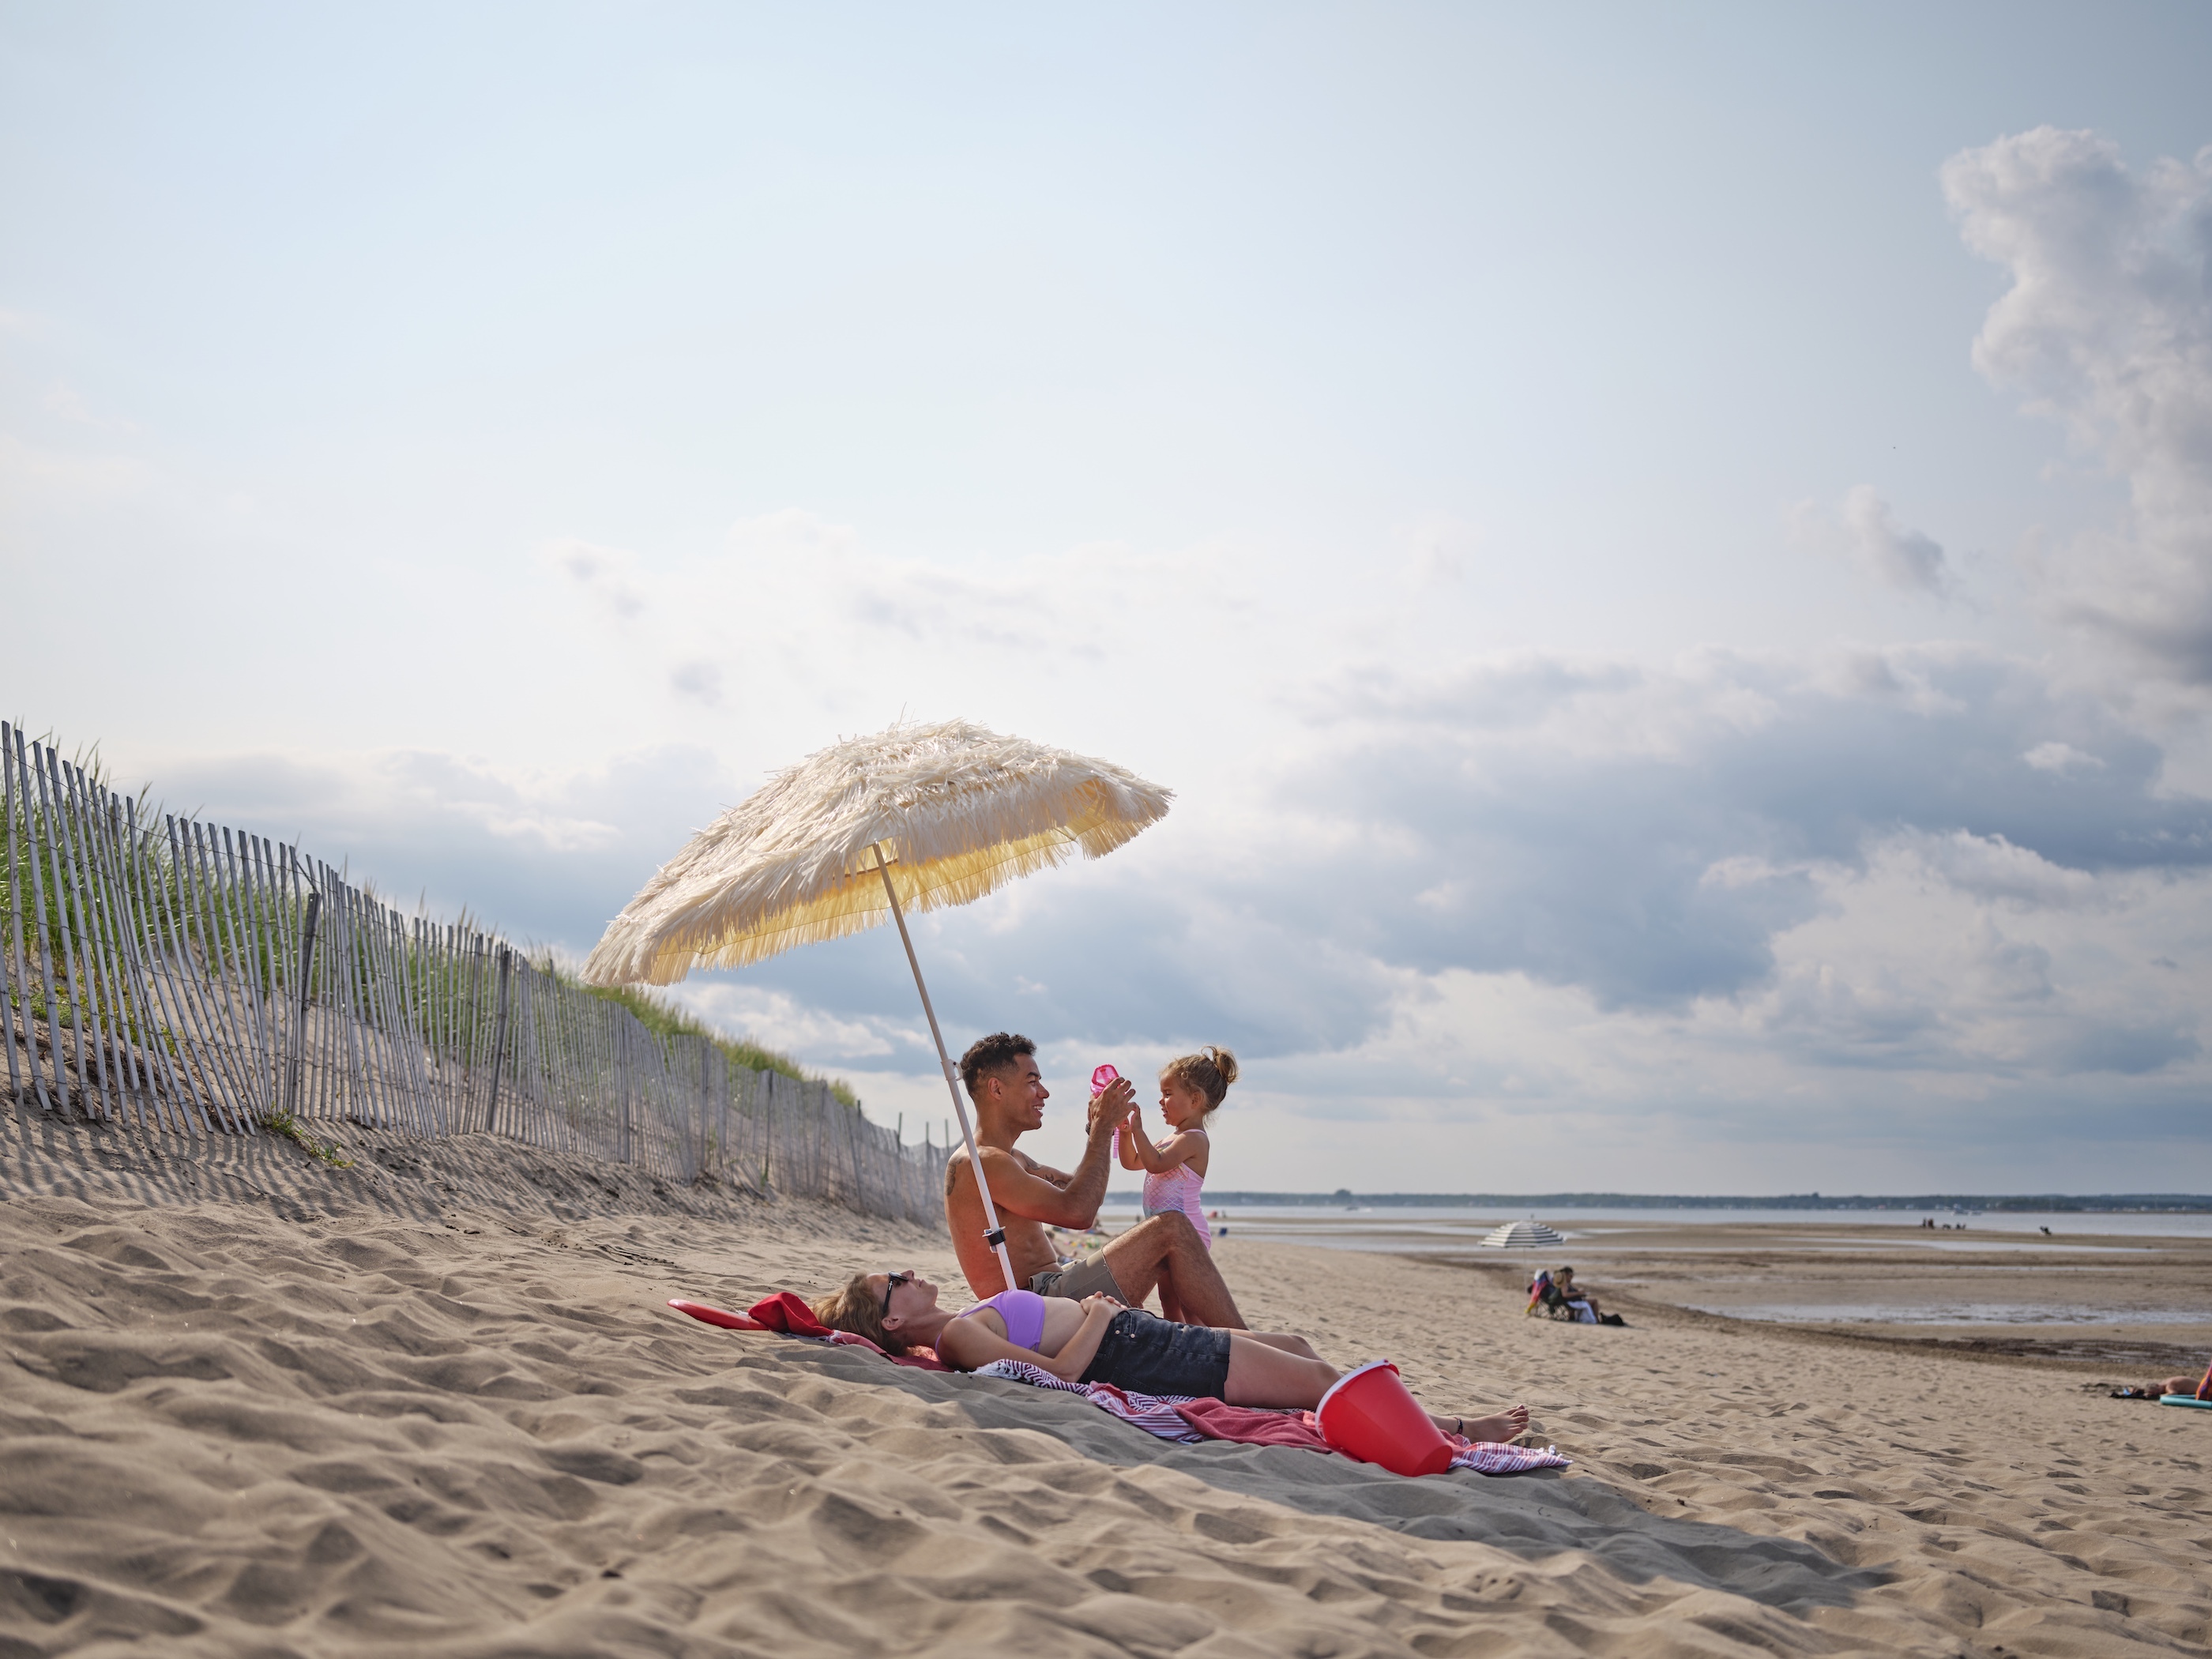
point(1163, 1252)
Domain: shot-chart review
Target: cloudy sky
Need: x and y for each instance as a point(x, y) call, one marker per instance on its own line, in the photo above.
point(1667, 555)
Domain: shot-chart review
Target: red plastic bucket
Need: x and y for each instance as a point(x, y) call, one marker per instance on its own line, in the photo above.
point(1368, 1415)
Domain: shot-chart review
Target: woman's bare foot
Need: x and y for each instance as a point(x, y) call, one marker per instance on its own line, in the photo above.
point(1498, 1428)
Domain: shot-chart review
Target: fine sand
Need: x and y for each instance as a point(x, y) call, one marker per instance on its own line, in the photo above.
point(256, 1406)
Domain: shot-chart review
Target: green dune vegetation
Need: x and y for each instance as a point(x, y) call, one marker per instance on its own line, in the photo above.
point(664, 1016)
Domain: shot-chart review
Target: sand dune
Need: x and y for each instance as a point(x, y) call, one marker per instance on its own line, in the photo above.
point(265, 1407)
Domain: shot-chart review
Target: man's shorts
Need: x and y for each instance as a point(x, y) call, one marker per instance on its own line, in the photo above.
point(1145, 1355)
point(1078, 1280)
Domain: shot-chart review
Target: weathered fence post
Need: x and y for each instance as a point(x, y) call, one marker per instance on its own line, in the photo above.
point(299, 1024)
point(624, 1048)
point(764, 1093)
point(15, 920)
point(853, 1140)
point(498, 1042)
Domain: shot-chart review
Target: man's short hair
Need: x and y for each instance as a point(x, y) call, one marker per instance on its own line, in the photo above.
point(992, 1053)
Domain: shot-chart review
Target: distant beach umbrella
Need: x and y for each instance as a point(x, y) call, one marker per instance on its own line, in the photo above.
point(913, 818)
point(1521, 1236)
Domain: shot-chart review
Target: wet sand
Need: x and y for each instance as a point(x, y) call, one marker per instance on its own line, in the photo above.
point(260, 1406)
point(2116, 1302)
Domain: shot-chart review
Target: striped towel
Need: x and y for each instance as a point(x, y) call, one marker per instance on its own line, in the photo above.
point(1155, 1413)
point(1164, 1415)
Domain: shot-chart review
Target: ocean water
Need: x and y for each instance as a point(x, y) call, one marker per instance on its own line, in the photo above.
point(2014, 1313)
point(1444, 1228)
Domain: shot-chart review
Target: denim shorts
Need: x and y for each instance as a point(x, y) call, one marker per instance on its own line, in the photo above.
point(1144, 1354)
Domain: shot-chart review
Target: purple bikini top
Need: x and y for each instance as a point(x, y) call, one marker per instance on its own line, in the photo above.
point(1024, 1312)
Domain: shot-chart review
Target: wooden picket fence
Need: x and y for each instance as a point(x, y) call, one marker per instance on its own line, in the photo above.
point(189, 979)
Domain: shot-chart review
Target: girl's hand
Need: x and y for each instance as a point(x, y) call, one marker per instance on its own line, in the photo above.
point(1099, 1302)
point(1110, 1106)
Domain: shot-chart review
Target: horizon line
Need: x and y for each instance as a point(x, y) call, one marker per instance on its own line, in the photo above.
point(1656, 1200)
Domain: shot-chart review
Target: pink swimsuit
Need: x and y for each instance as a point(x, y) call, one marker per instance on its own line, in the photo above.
point(1177, 1191)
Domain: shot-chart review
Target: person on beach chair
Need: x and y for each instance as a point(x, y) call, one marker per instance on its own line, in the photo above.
point(1555, 1295)
point(1161, 1252)
point(1099, 1340)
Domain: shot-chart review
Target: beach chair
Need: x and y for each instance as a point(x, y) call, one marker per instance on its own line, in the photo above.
point(1546, 1298)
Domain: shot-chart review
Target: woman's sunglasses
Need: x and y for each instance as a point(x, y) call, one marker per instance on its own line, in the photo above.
point(891, 1282)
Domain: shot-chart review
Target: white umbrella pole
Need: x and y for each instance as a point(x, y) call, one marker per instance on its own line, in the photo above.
point(994, 1234)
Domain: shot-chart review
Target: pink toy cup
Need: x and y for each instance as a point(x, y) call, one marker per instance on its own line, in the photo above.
point(1100, 1079)
point(1369, 1416)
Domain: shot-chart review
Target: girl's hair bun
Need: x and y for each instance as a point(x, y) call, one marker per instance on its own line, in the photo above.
point(1210, 1071)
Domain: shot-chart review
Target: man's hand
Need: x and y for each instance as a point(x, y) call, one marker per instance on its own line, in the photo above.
point(1111, 1108)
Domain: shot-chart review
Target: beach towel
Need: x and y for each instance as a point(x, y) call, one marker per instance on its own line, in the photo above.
point(1188, 1421)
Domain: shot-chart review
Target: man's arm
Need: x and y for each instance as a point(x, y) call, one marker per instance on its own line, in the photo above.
point(1019, 1191)
point(1027, 1190)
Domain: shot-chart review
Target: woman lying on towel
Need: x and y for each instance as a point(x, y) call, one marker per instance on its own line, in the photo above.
point(1099, 1340)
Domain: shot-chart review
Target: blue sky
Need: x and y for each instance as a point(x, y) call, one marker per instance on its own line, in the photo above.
point(1668, 557)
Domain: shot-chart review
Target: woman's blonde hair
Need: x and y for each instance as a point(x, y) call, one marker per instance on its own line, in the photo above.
point(1210, 1071)
point(858, 1310)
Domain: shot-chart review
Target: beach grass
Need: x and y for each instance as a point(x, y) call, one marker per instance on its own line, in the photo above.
point(664, 1016)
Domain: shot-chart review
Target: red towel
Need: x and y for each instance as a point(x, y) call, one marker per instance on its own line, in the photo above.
point(787, 1314)
point(722, 1316)
point(1217, 1420)
point(786, 1311)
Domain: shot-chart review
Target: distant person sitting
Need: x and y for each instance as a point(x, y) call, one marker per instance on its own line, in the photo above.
point(1561, 1297)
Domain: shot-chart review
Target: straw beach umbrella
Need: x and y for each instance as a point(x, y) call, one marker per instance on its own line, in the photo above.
point(913, 818)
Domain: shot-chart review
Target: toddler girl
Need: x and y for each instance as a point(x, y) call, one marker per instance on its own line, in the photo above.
point(1175, 1168)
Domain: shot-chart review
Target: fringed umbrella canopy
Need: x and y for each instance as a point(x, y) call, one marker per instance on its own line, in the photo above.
point(956, 811)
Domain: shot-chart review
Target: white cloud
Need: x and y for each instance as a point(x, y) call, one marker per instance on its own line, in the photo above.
point(2053, 755)
point(1900, 556)
point(1990, 867)
point(2107, 327)
point(67, 478)
point(1443, 546)
point(782, 1022)
point(1863, 531)
point(700, 681)
point(608, 574)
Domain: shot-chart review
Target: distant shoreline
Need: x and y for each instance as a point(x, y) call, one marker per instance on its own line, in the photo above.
point(2102, 1203)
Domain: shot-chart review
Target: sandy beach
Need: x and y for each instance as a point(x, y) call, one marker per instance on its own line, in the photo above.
point(427, 1406)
